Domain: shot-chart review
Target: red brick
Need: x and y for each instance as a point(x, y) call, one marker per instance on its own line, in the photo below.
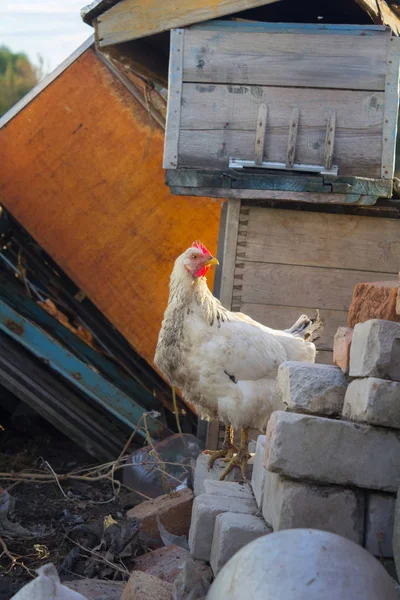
point(165, 563)
point(375, 300)
point(142, 586)
point(341, 348)
point(174, 510)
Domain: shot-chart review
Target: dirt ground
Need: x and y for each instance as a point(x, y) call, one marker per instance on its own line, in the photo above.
point(52, 519)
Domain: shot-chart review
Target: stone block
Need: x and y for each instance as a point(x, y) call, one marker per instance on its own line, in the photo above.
point(232, 531)
point(142, 586)
point(174, 510)
point(228, 488)
point(331, 451)
point(164, 563)
point(258, 475)
point(206, 508)
point(374, 401)
point(202, 473)
point(290, 504)
point(371, 349)
point(311, 388)
point(341, 348)
point(379, 524)
point(375, 300)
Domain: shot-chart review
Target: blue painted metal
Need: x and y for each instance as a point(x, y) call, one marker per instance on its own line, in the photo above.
point(258, 27)
point(16, 297)
point(80, 374)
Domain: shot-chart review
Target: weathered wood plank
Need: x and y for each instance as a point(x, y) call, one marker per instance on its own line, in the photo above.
point(312, 239)
point(282, 317)
point(311, 286)
point(261, 126)
point(330, 140)
point(253, 194)
point(293, 130)
point(173, 121)
point(324, 357)
point(357, 154)
point(236, 107)
point(380, 12)
point(391, 109)
point(283, 59)
point(132, 19)
point(230, 242)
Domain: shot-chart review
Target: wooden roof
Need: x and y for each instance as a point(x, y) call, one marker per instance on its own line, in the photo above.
point(117, 21)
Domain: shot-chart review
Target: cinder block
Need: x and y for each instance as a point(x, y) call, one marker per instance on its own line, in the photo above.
point(371, 349)
point(232, 531)
point(258, 476)
point(202, 473)
point(379, 524)
point(205, 510)
point(228, 488)
point(311, 388)
point(290, 504)
point(341, 348)
point(332, 451)
point(374, 401)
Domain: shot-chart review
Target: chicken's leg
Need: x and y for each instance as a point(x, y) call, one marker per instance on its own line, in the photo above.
point(227, 451)
point(241, 458)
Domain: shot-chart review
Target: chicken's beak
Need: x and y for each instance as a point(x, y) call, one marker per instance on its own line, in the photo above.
point(212, 261)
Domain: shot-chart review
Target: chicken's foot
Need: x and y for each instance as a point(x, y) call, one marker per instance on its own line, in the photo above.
point(241, 458)
point(227, 451)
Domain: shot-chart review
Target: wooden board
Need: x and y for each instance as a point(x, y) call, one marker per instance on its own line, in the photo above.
point(312, 287)
point(282, 317)
point(355, 152)
point(316, 239)
point(284, 59)
point(381, 13)
point(81, 170)
point(236, 107)
point(131, 19)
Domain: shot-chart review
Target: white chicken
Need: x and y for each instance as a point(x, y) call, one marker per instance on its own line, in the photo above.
point(224, 363)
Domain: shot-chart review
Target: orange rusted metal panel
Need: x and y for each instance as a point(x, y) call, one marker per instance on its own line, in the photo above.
point(81, 171)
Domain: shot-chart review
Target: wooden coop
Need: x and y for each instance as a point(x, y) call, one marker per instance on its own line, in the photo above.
point(288, 111)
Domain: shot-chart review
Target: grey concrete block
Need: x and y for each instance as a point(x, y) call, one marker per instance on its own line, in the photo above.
point(228, 488)
point(374, 401)
point(202, 473)
point(372, 347)
point(258, 476)
point(379, 524)
point(331, 451)
point(232, 531)
point(205, 510)
point(311, 388)
point(290, 504)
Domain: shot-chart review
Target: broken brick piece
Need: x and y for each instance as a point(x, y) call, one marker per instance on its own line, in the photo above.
point(341, 348)
point(142, 586)
point(164, 563)
point(174, 511)
point(376, 300)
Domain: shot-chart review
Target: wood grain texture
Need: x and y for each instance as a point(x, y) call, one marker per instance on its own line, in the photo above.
point(230, 243)
point(132, 19)
point(380, 13)
point(283, 317)
point(391, 115)
point(284, 59)
point(269, 283)
point(317, 240)
point(355, 153)
point(81, 171)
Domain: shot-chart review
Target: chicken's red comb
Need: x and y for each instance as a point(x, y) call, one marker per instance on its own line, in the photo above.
point(201, 247)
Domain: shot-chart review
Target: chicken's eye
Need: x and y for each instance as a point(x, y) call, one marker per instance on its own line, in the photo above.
point(194, 256)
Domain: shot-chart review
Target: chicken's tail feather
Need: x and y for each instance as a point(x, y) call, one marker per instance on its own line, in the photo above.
point(309, 329)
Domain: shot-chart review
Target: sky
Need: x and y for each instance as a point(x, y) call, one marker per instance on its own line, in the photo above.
point(51, 28)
